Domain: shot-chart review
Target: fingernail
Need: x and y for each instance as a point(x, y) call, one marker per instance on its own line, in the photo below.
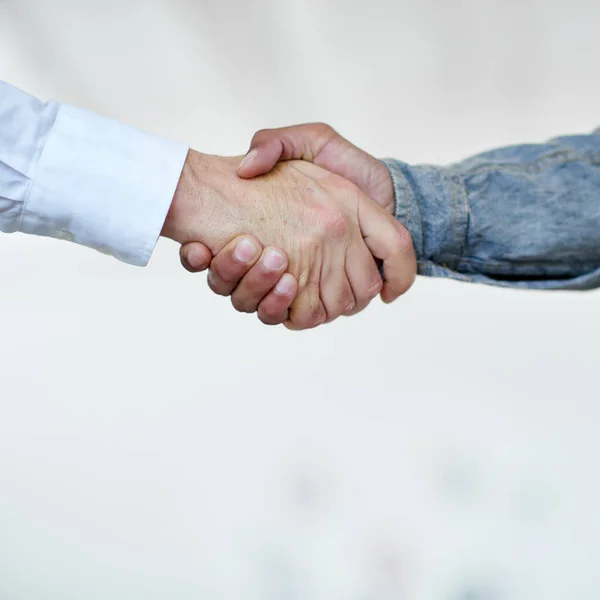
point(285, 285)
point(245, 251)
point(273, 260)
point(248, 158)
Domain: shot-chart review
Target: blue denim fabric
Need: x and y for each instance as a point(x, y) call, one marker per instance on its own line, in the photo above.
point(523, 216)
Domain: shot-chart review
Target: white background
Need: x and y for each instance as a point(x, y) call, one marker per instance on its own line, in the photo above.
point(155, 444)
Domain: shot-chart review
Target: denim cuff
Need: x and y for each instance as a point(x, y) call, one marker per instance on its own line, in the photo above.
point(431, 202)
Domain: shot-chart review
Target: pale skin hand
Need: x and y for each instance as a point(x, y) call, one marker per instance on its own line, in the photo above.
point(317, 218)
point(317, 143)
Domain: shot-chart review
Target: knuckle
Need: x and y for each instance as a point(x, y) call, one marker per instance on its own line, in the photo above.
point(359, 307)
point(260, 135)
point(317, 317)
point(345, 303)
point(310, 318)
point(374, 288)
point(369, 291)
point(349, 307)
point(335, 224)
point(304, 276)
point(323, 129)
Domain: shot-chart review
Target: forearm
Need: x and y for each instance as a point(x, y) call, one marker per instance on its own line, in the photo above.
point(522, 216)
point(71, 174)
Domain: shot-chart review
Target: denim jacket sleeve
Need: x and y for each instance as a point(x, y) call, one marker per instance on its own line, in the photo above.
point(524, 216)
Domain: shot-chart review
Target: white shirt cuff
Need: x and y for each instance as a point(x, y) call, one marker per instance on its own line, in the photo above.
point(103, 184)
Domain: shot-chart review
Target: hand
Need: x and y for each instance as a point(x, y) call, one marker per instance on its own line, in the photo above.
point(314, 216)
point(254, 278)
point(320, 144)
point(323, 146)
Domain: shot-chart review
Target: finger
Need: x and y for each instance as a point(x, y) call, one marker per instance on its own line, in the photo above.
point(363, 276)
point(274, 308)
point(336, 292)
point(195, 257)
point(389, 241)
point(261, 159)
point(259, 280)
point(320, 144)
point(307, 310)
point(232, 263)
point(298, 142)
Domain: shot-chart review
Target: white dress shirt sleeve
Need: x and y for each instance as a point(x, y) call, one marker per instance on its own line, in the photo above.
point(71, 174)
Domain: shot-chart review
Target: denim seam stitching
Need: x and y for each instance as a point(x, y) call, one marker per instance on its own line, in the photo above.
point(399, 181)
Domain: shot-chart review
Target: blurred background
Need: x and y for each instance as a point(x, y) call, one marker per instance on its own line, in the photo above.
point(156, 444)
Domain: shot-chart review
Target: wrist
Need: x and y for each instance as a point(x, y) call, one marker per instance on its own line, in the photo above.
point(186, 207)
point(205, 204)
point(171, 227)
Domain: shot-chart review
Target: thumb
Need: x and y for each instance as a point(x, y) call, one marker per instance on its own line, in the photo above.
point(320, 144)
point(391, 243)
point(195, 257)
point(298, 142)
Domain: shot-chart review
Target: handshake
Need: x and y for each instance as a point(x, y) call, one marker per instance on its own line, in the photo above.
point(296, 230)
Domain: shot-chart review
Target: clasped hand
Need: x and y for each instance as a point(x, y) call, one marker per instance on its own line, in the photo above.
point(295, 229)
